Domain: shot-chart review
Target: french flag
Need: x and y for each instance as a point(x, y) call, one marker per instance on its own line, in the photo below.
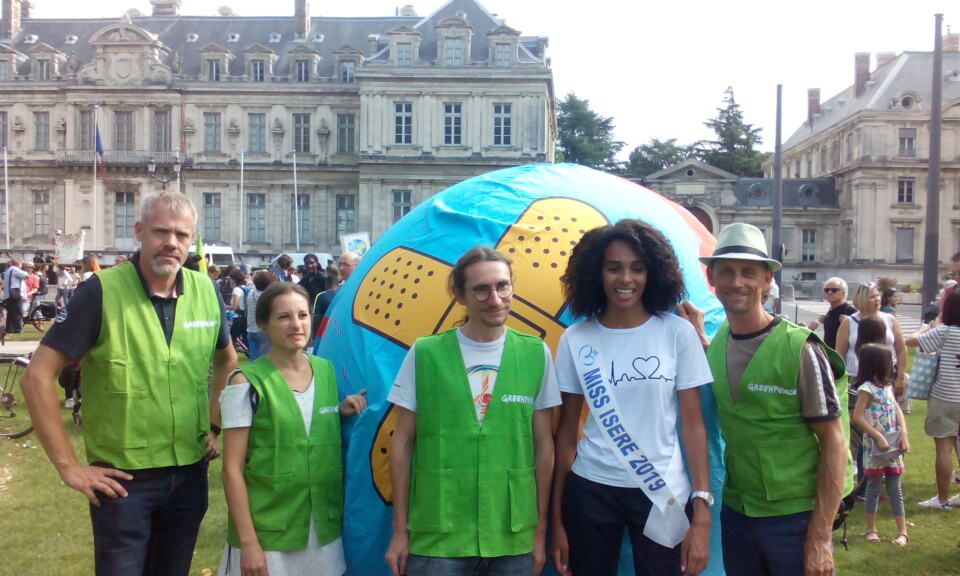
point(99, 148)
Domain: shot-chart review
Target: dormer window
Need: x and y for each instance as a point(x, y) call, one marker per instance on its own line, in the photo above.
point(257, 69)
point(213, 70)
point(30, 39)
point(41, 69)
point(346, 71)
point(453, 51)
point(233, 38)
point(70, 39)
point(317, 38)
point(503, 55)
point(274, 38)
point(192, 37)
point(303, 70)
point(404, 54)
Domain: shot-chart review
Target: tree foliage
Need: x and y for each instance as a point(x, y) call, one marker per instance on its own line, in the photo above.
point(733, 150)
point(655, 156)
point(585, 137)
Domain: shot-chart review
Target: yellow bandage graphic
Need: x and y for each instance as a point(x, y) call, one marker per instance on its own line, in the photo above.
point(404, 294)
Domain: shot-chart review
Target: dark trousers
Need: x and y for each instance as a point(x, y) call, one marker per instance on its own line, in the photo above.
point(14, 315)
point(770, 546)
point(151, 532)
point(594, 516)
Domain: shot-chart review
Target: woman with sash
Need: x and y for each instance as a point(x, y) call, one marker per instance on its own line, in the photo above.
point(639, 368)
point(282, 468)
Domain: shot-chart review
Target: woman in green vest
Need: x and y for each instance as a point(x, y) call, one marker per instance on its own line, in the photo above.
point(282, 469)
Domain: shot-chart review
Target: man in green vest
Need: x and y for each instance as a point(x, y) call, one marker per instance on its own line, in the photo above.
point(778, 391)
point(145, 333)
point(472, 453)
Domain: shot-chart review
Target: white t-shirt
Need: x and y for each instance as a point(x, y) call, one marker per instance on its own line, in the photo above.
point(239, 294)
point(482, 360)
point(646, 365)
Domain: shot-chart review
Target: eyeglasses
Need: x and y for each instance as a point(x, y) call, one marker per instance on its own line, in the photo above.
point(831, 290)
point(482, 293)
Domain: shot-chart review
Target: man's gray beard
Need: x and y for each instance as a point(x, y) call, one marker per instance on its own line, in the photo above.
point(165, 269)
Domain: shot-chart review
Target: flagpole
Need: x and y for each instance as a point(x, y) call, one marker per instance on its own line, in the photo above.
point(296, 200)
point(96, 130)
point(6, 197)
point(241, 201)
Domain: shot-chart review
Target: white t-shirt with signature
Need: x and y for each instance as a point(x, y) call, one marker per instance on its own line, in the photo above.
point(646, 365)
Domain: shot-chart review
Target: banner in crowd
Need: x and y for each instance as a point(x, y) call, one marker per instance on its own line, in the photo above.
point(534, 214)
point(69, 247)
point(359, 242)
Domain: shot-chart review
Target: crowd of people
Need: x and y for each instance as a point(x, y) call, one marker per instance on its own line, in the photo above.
point(480, 478)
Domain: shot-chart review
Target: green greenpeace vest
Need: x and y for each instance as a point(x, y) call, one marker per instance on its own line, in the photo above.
point(145, 404)
point(292, 475)
point(473, 489)
point(771, 453)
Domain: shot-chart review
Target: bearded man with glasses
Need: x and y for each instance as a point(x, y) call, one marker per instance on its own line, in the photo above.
point(472, 454)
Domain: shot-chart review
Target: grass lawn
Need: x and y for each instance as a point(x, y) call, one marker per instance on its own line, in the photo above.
point(45, 526)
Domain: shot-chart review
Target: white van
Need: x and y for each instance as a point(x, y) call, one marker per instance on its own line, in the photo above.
point(219, 255)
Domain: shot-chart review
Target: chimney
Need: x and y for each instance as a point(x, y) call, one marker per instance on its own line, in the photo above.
point(861, 73)
point(301, 16)
point(10, 25)
point(813, 104)
point(373, 43)
point(166, 7)
point(25, 7)
point(884, 57)
point(951, 42)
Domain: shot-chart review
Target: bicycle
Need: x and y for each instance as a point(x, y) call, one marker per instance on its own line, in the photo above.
point(11, 369)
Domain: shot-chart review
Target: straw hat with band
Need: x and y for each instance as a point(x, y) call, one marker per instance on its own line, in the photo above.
point(740, 241)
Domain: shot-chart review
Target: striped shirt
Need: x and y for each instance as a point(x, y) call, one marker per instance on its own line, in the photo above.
point(946, 341)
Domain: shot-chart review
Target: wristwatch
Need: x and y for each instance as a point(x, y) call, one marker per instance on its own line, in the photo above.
point(704, 495)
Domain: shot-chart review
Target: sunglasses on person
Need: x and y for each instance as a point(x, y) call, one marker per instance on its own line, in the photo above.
point(482, 293)
point(831, 290)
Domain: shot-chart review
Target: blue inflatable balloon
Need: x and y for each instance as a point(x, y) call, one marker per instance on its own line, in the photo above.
point(533, 213)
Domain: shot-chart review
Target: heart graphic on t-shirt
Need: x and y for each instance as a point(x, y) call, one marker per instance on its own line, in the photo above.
point(647, 367)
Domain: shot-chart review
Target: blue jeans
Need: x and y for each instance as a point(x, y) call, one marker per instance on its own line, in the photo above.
point(769, 546)
point(151, 532)
point(594, 517)
point(520, 565)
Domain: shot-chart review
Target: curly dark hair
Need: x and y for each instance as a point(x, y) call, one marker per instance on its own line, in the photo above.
point(583, 278)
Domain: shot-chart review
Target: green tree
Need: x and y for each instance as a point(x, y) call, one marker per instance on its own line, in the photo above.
point(657, 155)
point(585, 137)
point(734, 148)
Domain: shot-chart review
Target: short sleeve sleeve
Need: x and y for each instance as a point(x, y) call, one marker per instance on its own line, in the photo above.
point(403, 393)
point(549, 395)
point(236, 410)
point(931, 340)
point(567, 379)
point(692, 367)
point(816, 387)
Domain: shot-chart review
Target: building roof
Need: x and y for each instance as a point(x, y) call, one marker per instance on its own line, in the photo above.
point(903, 84)
point(186, 37)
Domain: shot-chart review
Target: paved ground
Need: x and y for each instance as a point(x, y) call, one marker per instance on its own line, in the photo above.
point(19, 348)
point(803, 311)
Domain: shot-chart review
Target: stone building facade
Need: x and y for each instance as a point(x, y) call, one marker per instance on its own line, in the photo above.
point(872, 140)
point(376, 114)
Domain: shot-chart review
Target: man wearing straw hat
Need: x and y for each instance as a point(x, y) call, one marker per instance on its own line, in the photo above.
point(778, 389)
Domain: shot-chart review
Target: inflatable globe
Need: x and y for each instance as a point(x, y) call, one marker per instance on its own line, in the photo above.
point(534, 214)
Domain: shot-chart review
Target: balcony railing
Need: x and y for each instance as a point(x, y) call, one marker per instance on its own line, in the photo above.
point(117, 157)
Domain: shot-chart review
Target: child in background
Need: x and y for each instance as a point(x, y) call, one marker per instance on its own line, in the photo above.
point(878, 415)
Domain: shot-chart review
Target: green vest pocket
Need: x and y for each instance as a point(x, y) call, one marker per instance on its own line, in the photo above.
point(523, 498)
point(269, 496)
point(789, 467)
point(430, 499)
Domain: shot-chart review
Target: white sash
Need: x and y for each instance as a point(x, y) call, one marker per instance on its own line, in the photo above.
point(667, 523)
